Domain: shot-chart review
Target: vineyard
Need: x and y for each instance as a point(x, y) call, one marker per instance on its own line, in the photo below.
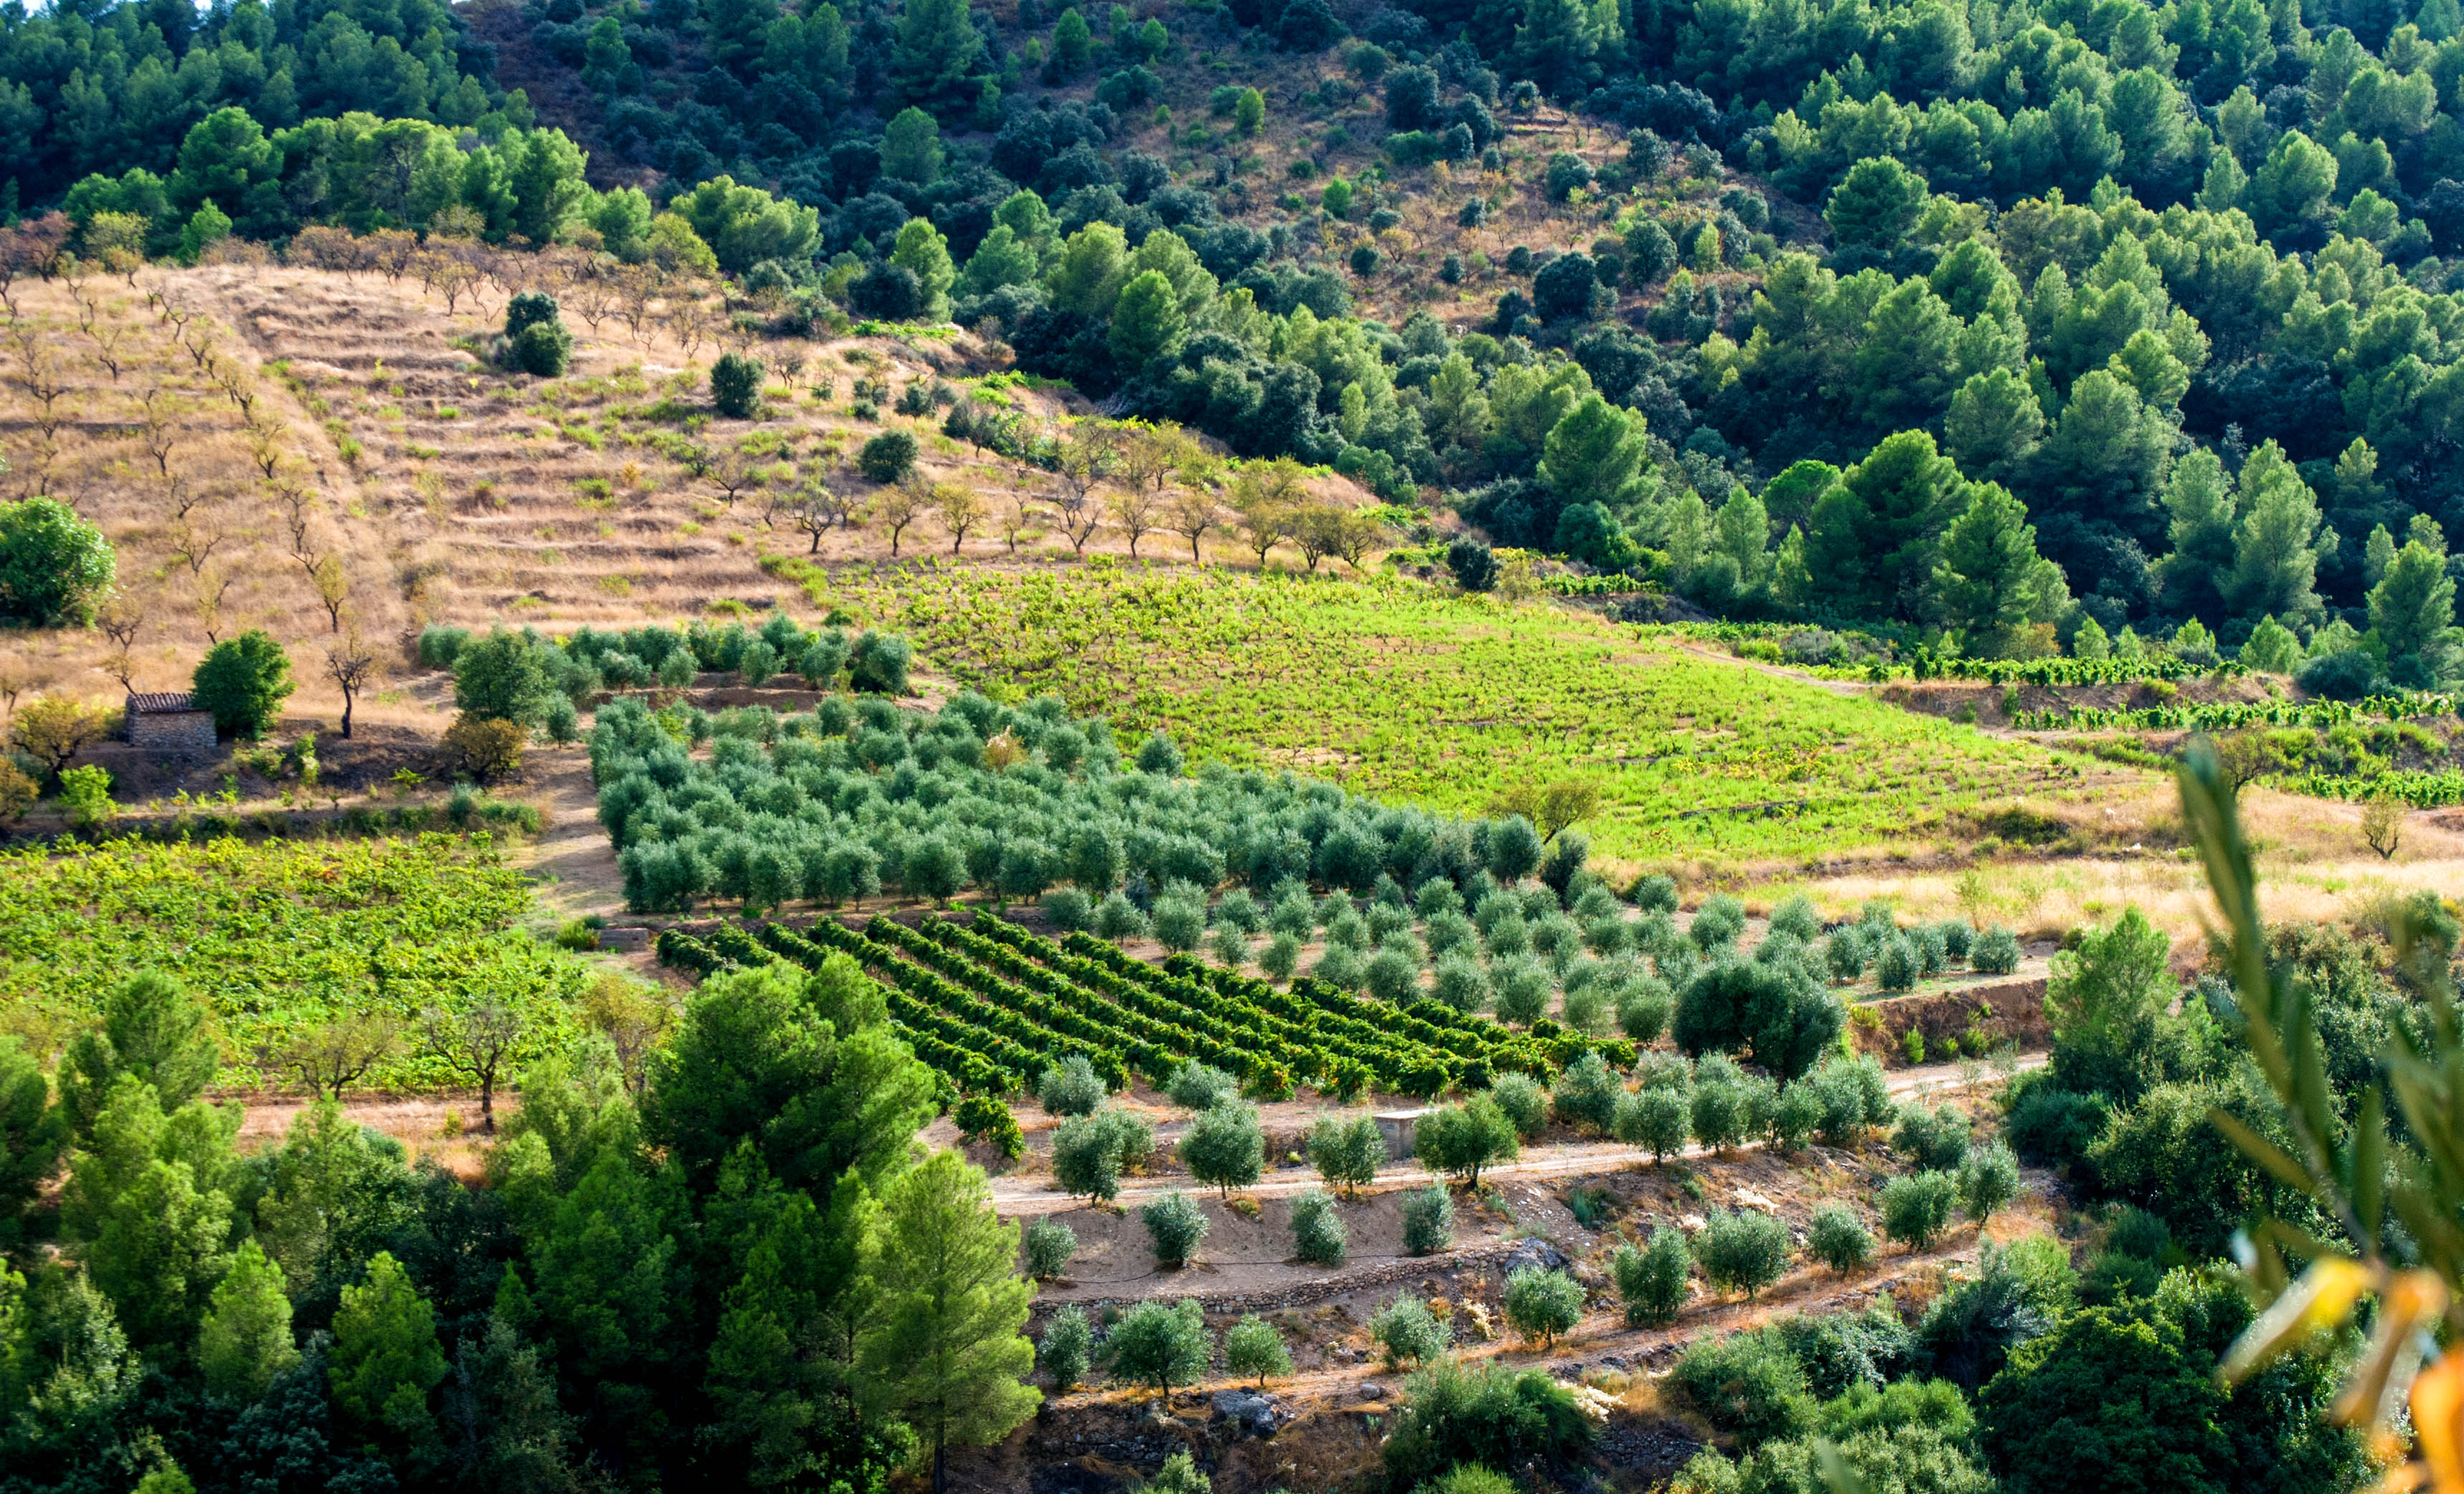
point(989, 1006)
point(279, 936)
point(1399, 690)
point(1881, 654)
point(2237, 715)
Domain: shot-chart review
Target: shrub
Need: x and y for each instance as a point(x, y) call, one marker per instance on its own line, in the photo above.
point(1717, 923)
point(543, 349)
point(1838, 1239)
point(1652, 1281)
point(1989, 1179)
point(1853, 1094)
point(1462, 1139)
point(983, 1118)
point(53, 566)
point(1642, 1009)
point(1089, 1150)
point(1587, 1094)
point(1525, 1102)
point(1392, 975)
point(1453, 1416)
point(1338, 967)
point(1406, 1330)
point(1281, 957)
point(1253, 1347)
point(889, 457)
point(1718, 1110)
point(86, 793)
point(1179, 924)
point(1175, 1225)
point(1068, 1347)
point(1070, 1087)
point(1935, 1140)
point(1543, 1304)
point(1523, 986)
point(1117, 918)
point(1429, 1220)
point(1460, 981)
point(1795, 1113)
point(1898, 963)
point(486, 748)
point(735, 388)
point(1747, 1385)
point(1318, 1235)
point(1655, 1119)
point(2052, 1126)
point(1845, 953)
point(1996, 952)
point(1743, 1250)
point(1050, 1245)
point(1199, 1086)
point(1159, 1345)
point(1070, 909)
point(1796, 919)
point(1917, 1208)
point(1223, 1147)
point(1347, 1152)
point(1472, 1478)
point(242, 683)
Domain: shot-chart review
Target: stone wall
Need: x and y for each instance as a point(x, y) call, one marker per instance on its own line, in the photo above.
point(186, 732)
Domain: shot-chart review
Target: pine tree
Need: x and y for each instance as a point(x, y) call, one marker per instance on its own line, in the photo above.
point(938, 47)
point(922, 251)
point(386, 1358)
point(146, 1199)
point(2279, 542)
point(2412, 610)
point(152, 1031)
point(1145, 323)
point(1874, 537)
point(1991, 582)
point(1594, 454)
point(2200, 501)
point(1073, 42)
point(34, 1132)
point(946, 1353)
point(246, 1338)
point(911, 149)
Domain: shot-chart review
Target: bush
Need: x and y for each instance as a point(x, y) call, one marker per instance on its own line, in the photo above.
point(1281, 957)
point(486, 749)
point(1453, 1416)
point(1917, 1208)
point(1070, 909)
point(1429, 1220)
point(1898, 963)
point(877, 664)
point(1642, 1009)
point(1654, 893)
point(1175, 1225)
point(1587, 1094)
point(1089, 1150)
point(1996, 952)
point(1842, 1351)
point(1318, 1235)
point(53, 566)
point(1462, 1139)
point(1223, 1147)
point(1838, 1239)
point(86, 793)
point(1718, 1109)
point(1391, 977)
point(1797, 919)
point(1743, 1250)
point(1747, 1385)
point(1472, 1478)
point(1068, 1347)
point(1253, 1347)
point(1543, 1304)
point(1717, 924)
point(1407, 1330)
point(1179, 924)
point(1201, 1086)
point(1179, 1473)
point(1070, 1087)
point(735, 388)
point(889, 457)
point(2051, 1126)
point(242, 683)
point(1347, 1152)
point(2349, 675)
point(1050, 1245)
point(1935, 1140)
point(1159, 1345)
point(1795, 1113)
point(1117, 918)
point(1654, 1120)
point(1989, 1179)
point(1460, 981)
point(1652, 1281)
point(983, 1118)
point(543, 349)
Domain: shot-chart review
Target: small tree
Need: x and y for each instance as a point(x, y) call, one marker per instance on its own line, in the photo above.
point(1201, 1086)
point(1587, 1094)
point(1253, 1347)
point(386, 1358)
point(1838, 1239)
point(1407, 1330)
point(1068, 1347)
point(1743, 1250)
point(1655, 1119)
point(242, 683)
point(352, 665)
point(1161, 1346)
point(960, 508)
point(1347, 1152)
point(1652, 1281)
point(1462, 1139)
point(888, 458)
point(53, 729)
point(2382, 824)
point(332, 1056)
point(488, 750)
point(55, 568)
point(1543, 1304)
point(478, 1043)
point(1988, 1180)
point(1318, 1235)
point(736, 388)
point(1224, 1147)
point(1070, 1087)
point(1429, 1220)
point(1050, 1245)
point(1175, 1225)
point(1917, 1208)
point(245, 1340)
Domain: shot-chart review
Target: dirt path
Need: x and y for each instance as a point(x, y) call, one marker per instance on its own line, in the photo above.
point(1034, 1195)
point(572, 858)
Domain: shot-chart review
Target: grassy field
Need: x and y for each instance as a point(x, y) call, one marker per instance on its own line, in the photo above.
point(1394, 689)
point(277, 937)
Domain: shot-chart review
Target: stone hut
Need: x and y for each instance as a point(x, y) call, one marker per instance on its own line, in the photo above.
point(169, 721)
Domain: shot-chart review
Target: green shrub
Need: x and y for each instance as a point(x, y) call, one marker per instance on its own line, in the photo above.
point(1797, 919)
point(1838, 1239)
point(1159, 1345)
point(242, 683)
point(1408, 1332)
point(1654, 1119)
point(1070, 1087)
point(1068, 1347)
point(1719, 1113)
point(1462, 1139)
point(1917, 1208)
point(1642, 1009)
point(1587, 1094)
point(1253, 1347)
point(1201, 1086)
point(86, 792)
point(1472, 1478)
point(1223, 1147)
point(1747, 1385)
point(1175, 1225)
point(1391, 977)
point(1743, 1250)
point(1050, 1245)
point(1347, 1152)
point(1068, 908)
point(1996, 953)
point(1281, 957)
point(1453, 1416)
point(1717, 923)
point(1318, 1235)
point(1525, 1102)
point(1935, 1140)
point(1460, 981)
point(1179, 924)
point(1543, 1304)
point(543, 349)
point(53, 566)
point(1989, 1179)
point(983, 1118)
point(1523, 987)
point(1652, 1281)
point(1898, 963)
point(1429, 1220)
point(735, 388)
point(889, 457)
